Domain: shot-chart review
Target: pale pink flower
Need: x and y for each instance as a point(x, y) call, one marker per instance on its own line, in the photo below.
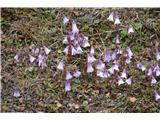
point(47, 50)
point(74, 27)
point(90, 58)
point(117, 39)
point(61, 65)
point(68, 75)
point(129, 81)
point(65, 41)
point(16, 93)
point(149, 72)
point(67, 86)
point(16, 57)
point(120, 81)
point(116, 66)
point(65, 20)
point(92, 50)
point(85, 42)
point(100, 65)
point(107, 56)
point(111, 70)
point(141, 67)
point(106, 73)
point(31, 58)
point(153, 81)
point(130, 29)
point(114, 55)
point(111, 17)
point(129, 52)
point(119, 51)
point(73, 51)
point(35, 50)
point(128, 60)
point(100, 73)
point(76, 72)
point(157, 96)
point(117, 21)
point(78, 49)
point(124, 74)
point(41, 58)
point(90, 69)
point(158, 55)
point(66, 50)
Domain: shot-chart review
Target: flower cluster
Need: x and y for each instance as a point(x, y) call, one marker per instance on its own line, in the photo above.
point(74, 42)
point(36, 55)
point(152, 73)
point(110, 65)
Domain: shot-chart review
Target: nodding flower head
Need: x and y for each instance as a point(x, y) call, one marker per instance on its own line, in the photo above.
point(65, 41)
point(65, 20)
point(129, 52)
point(116, 66)
point(90, 69)
point(71, 36)
point(35, 50)
point(157, 96)
point(16, 57)
point(141, 67)
point(90, 58)
point(61, 65)
point(107, 56)
point(129, 81)
point(74, 27)
point(67, 86)
point(157, 70)
point(78, 49)
point(43, 64)
point(73, 50)
point(128, 60)
point(103, 73)
point(76, 73)
point(111, 70)
point(106, 73)
point(16, 93)
point(149, 71)
point(158, 55)
point(85, 42)
point(114, 55)
point(124, 74)
point(153, 81)
point(119, 51)
point(120, 80)
point(31, 58)
point(130, 29)
point(41, 58)
point(92, 50)
point(100, 73)
point(111, 17)
point(68, 75)
point(66, 50)
point(100, 65)
point(47, 50)
point(117, 21)
point(117, 39)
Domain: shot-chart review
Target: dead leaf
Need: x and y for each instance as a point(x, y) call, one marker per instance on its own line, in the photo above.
point(76, 106)
point(132, 99)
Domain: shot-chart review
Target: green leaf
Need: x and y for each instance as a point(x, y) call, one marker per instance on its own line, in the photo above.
point(124, 33)
point(137, 26)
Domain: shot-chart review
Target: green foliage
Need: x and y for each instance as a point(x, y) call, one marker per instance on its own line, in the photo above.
point(137, 26)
